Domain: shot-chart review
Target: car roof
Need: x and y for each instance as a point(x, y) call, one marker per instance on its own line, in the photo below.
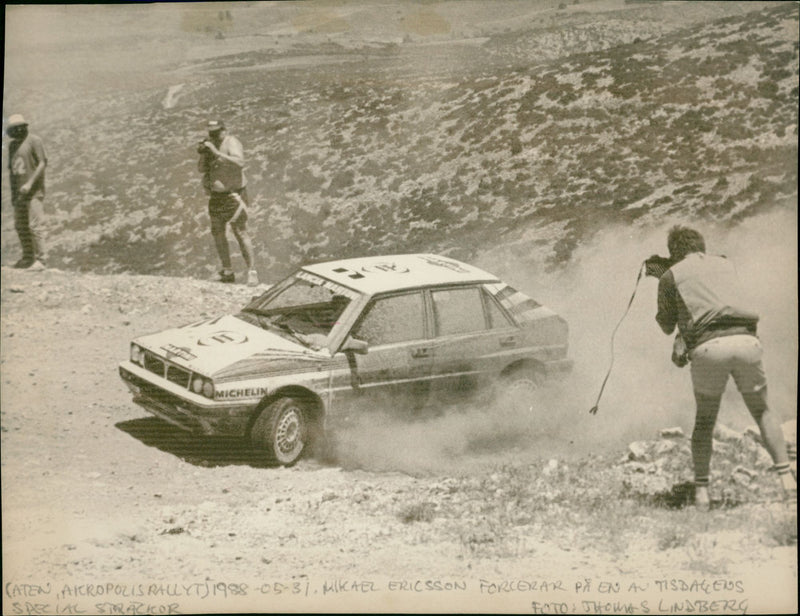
point(379, 274)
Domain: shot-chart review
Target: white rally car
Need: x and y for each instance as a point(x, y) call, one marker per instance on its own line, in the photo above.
point(343, 337)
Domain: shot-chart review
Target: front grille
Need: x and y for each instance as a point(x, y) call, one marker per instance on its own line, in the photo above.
point(179, 376)
point(154, 364)
point(173, 374)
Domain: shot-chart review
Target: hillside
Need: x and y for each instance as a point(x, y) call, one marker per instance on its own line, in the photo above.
point(435, 129)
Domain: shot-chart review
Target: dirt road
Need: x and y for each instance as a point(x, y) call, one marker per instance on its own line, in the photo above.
point(108, 510)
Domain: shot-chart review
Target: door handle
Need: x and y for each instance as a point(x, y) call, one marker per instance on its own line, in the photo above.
point(420, 352)
point(508, 341)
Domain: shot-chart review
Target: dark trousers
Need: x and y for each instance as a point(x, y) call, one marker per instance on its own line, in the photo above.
point(29, 223)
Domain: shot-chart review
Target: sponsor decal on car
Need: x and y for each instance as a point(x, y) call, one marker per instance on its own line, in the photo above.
point(224, 337)
point(440, 262)
point(244, 392)
point(173, 350)
point(328, 284)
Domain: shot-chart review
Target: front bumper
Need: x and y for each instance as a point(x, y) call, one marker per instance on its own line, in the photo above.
point(183, 408)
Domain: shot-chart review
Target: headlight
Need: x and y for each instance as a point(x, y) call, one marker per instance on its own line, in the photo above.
point(204, 386)
point(137, 354)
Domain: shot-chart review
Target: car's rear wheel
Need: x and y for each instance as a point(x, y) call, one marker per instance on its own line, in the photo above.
point(282, 431)
point(517, 390)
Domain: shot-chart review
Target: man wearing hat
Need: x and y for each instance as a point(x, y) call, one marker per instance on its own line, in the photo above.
point(26, 165)
point(222, 165)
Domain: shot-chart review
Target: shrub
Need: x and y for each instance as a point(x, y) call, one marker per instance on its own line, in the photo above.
point(417, 512)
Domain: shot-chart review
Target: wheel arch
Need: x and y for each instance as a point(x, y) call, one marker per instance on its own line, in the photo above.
point(525, 364)
point(313, 402)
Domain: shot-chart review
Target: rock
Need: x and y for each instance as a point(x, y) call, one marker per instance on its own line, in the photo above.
point(676, 432)
point(664, 447)
point(742, 474)
point(551, 467)
point(726, 435)
point(638, 451)
point(753, 433)
point(636, 467)
point(646, 484)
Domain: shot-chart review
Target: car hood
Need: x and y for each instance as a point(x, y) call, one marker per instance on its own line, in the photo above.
point(219, 345)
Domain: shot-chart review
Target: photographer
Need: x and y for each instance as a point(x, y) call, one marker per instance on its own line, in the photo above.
point(701, 295)
point(222, 164)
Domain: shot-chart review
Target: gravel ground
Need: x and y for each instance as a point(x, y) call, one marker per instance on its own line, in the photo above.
point(108, 510)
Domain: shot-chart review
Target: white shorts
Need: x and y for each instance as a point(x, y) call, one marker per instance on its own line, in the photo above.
point(737, 356)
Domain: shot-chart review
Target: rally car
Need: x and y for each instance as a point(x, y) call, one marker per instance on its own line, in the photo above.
point(350, 336)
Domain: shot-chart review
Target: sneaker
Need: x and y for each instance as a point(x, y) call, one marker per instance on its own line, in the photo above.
point(226, 277)
point(23, 263)
point(252, 278)
point(37, 266)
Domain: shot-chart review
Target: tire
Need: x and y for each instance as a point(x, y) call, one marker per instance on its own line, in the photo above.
point(282, 431)
point(516, 391)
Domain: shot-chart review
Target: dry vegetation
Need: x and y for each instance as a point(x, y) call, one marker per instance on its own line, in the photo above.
point(563, 123)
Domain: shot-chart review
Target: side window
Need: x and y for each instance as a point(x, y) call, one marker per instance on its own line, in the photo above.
point(497, 318)
point(393, 319)
point(458, 311)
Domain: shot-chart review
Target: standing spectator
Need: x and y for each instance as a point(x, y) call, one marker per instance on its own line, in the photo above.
point(26, 164)
point(222, 165)
point(701, 294)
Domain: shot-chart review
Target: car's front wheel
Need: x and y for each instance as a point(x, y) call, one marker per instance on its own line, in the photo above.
point(282, 431)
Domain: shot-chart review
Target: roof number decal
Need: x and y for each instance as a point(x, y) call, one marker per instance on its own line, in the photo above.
point(375, 268)
point(351, 274)
point(223, 338)
point(385, 267)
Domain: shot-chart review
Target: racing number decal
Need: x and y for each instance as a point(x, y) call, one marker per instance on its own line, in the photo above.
point(222, 338)
point(371, 269)
point(351, 274)
point(385, 267)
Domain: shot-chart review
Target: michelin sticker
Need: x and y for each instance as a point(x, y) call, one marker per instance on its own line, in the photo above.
point(247, 392)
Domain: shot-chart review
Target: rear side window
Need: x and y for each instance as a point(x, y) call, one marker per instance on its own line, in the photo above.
point(458, 311)
point(393, 319)
point(497, 318)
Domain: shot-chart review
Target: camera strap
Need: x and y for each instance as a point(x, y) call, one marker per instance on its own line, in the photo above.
point(594, 409)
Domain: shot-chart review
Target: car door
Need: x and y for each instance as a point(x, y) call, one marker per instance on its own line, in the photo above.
point(395, 371)
point(473, 336)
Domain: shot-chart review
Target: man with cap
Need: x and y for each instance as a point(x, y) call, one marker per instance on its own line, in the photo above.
point(26, 164)
point(222, 165)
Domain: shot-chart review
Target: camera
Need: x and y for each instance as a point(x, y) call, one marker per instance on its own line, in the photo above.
point(656, 265)
point(202, 148)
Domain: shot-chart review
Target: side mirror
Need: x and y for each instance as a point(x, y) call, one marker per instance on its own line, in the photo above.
point(356, 346)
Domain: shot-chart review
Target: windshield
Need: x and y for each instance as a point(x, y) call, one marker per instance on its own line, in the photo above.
point(303, 307)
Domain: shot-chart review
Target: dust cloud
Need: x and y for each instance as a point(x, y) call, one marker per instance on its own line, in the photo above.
point(645, 391)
